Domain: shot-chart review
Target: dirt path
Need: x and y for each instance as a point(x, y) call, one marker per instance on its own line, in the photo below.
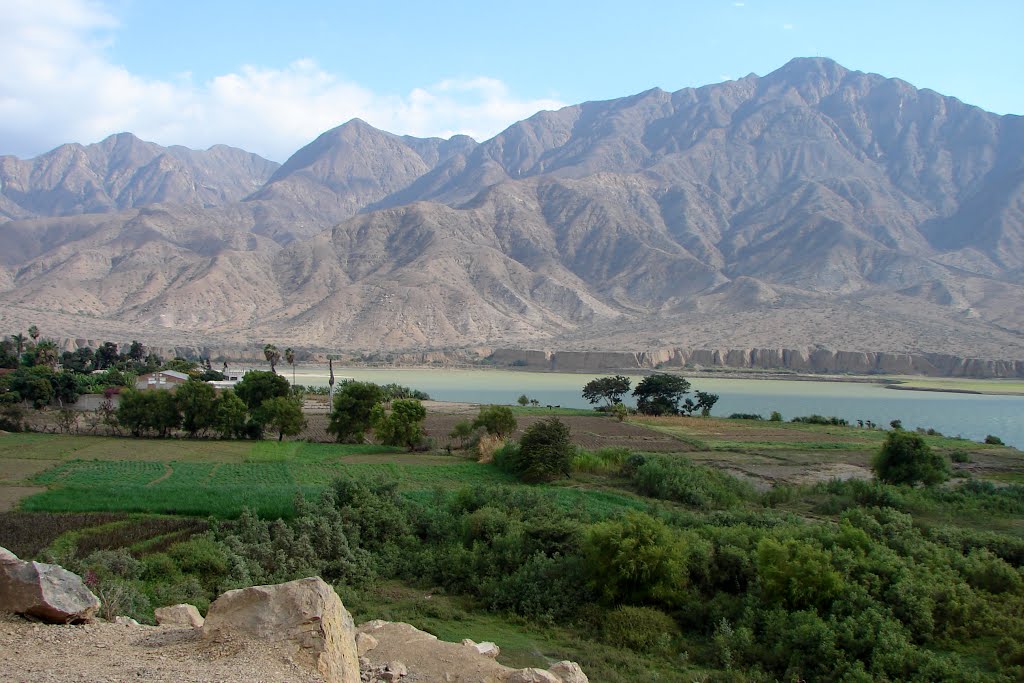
point(38, 653)
point(168, 471)
point(10, 496)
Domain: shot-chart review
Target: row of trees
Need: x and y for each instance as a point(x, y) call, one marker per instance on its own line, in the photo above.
point(261, 401)
point(658, 394)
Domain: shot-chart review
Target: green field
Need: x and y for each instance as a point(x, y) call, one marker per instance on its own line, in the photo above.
point(757, 551)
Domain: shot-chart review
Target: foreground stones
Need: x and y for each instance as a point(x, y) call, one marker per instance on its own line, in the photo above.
point(304, 618)
point(429, 659)
point(46, 592)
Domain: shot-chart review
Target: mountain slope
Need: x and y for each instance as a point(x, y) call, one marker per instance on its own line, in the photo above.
point(814, 205)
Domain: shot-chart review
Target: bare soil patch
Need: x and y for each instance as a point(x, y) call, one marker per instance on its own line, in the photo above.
point(10, 495)
point(17, 470)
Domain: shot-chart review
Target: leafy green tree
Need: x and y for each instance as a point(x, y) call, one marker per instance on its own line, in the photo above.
point(660, 394)
point(272, 355)
point(136, 352)
point(80, 360)
point(33, 332)
point(65, 388)
point(636, 559)
point(281, 414)
point(196, 400)
point(905, 458)
point(32, 385)
point(8, 357)
point(403, 426)
point(523, 400)
point(498, 421)
point(462, 430)
point(545, 452)
point(258, 386)
point(353, 405)
point(619, 411)
point(106, 356)
point(705, 402)
point(796, 575)
point(133, 410)
point(607, 389)
point(229, 415)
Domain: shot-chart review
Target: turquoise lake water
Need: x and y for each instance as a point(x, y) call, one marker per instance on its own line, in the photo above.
point(969, 415)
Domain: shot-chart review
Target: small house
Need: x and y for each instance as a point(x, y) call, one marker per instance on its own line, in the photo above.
point(162, 379)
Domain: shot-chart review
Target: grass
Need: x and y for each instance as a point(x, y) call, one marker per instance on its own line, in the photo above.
point(544, 411)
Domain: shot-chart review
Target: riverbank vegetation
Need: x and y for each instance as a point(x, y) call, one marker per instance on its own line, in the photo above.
point(717, 558)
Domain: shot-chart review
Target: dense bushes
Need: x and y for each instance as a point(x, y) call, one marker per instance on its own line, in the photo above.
point(675, 478)
point(544, 453)
point(905, 458)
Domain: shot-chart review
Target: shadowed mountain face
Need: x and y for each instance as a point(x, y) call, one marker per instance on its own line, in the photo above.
point(814, 205)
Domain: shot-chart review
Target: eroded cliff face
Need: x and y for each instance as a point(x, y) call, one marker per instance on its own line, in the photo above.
point(813, 360)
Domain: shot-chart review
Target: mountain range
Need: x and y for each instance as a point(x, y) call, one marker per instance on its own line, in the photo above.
point(813, 206)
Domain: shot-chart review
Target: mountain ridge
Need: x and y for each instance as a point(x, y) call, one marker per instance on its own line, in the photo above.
point(834, 207)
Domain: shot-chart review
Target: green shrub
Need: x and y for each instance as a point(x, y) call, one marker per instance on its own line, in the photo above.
point(993, 440)
point(602, 461)
point(677, 479)
point(776, 416)
point(642, 629)
point(498, 421)
point(745, 416)
point(545, 452)
point(905, 458)
point(960, 456)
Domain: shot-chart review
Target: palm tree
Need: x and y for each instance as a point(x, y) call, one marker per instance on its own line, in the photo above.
point(46, 353)
point(19, 339)
point(289, 357)
point(33, 332)
point(272, 355)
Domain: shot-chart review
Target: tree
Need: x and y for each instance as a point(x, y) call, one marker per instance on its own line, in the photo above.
point(8, 357)
point(196, 400)
point(32, 385)
point(33, 332)
point(636, 559)
point(353, 404)
point(705, 402)
point(462, 430)
point(607, 389)
point(545, 452)
point(281, 414)
point(65, 388)
point(523, 400)
point(47, 353)
point(229, 415)
point(660, 394)
point(403, 426)
point(289, 357)
point(619, 411)
point(106, 356)
point(272, 355)
point(496, 420)
point(136, 352)
point(259, 385)
point(19, 339)
point(905, 458)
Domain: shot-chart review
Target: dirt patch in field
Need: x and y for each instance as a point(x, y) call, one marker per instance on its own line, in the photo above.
point(11, 495)
point(17, 470)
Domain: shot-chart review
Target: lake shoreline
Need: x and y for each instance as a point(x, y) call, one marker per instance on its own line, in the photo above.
point(888, 381)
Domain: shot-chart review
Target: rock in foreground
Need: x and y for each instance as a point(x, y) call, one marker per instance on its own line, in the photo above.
point(304, 618)
point(44, 591)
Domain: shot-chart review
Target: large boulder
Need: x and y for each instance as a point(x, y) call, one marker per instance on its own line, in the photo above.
point(44, 591)
point(304, 618)
point(183, 616)
point(532, 675)
point(569, 672)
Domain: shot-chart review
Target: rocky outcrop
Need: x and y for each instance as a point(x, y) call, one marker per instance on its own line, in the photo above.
point(429, 659)
point(182, 616)
point(305, 619)
point(44, 591)
point(812, 360)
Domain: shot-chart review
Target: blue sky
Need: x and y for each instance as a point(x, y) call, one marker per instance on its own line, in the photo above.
point(270, 76)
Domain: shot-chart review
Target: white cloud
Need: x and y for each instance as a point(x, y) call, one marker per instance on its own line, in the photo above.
point(58, 86)
point(787, 27)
